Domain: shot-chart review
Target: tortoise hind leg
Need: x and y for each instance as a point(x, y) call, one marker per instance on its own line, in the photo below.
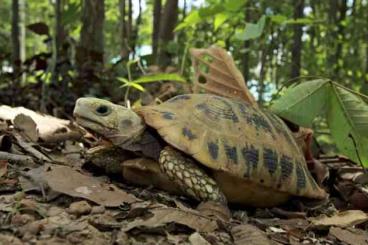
point(189, 176)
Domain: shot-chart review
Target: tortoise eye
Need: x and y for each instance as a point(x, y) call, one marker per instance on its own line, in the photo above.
point(103, 110)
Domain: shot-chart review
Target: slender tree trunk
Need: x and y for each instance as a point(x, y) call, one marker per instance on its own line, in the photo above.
point(91, 46)
point(246, 45)
point(135, 30)
point(124, 45)
point(156, 27)
point(130, 24)
point(340, 34)
point(331, 38)
point(167, 25)
point(15, 38)
point(297, 46)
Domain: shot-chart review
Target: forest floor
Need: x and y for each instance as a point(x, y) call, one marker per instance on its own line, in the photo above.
point(49, 196)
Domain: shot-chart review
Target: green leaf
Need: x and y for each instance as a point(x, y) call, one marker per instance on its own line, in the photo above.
point(219, 20)
point(252, 31)
point(137, 86)
point(160, 77)
point(354, 109)
point(234, 5)
point(192, 19)
point(344, 117)
point(302, 103)
point(210, 11)
point(278, 19)
point(346, 113)
point(122, 79)
point(305, 21)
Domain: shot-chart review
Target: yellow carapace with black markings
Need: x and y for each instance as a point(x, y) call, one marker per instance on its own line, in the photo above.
point(213, 148)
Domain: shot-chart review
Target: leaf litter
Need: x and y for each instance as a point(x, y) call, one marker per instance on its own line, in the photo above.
point(49, 194)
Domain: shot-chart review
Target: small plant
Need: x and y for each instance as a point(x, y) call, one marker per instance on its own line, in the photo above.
point(129, 83)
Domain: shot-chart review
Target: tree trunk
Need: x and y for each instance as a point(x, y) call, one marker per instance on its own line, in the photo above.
point(166, 34)
point(15, 38)
point(331, 38)
point(156, 27)
point(135, 30)
point(340, 35)
point(296, 50)
point(246, 45)
point(90, 52)
point(124, 45)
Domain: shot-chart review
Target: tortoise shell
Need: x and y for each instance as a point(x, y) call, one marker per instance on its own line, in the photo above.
point(246, 146)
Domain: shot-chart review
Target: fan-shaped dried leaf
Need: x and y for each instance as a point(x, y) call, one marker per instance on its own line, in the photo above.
point(216, 73)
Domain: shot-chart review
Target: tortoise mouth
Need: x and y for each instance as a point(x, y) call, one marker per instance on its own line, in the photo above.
point(92, 125)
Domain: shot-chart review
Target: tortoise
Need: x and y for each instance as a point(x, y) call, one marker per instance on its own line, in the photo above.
point(215, 148)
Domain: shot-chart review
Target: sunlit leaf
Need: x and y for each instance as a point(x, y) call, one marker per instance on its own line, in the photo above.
point(137, 86)
point(219, 20)
point(192, 19)
point(252, 31)
point(122, 79)
point(160, 77)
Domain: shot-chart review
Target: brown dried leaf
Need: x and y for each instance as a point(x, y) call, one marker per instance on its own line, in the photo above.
point(3, 168)
point(68, 181)
point(350, 235)
point(49, 129)
point(249, 234)
point(164, 215)
point(215, 72)
point(341, 219)
point(27, 126)
point(197, 239)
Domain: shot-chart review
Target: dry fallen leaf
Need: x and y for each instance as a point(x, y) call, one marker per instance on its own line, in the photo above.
point(197, 239)
point(27, 126)
point(3, 167)
point(68, 181)
point(48, 128)
point(249, 234)
point(341, 219)
point(164, 215)
point(350, 235)
point(215, 72)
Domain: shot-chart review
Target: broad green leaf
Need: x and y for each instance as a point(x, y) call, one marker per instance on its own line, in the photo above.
point(303, 102)
point(234, 5)
point(219, 20)
point(210, 11)
point(252, 31)
point(346, 113)
point(160, 77)
point(354, 109)
point(349, 141)
point(192, 19)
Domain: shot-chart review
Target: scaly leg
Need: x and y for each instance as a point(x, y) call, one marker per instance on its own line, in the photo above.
point(189, 176)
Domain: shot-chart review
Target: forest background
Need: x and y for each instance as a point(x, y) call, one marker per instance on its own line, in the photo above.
point(53, 51)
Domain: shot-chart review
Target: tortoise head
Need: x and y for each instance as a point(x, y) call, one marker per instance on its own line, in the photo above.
point(120, 125)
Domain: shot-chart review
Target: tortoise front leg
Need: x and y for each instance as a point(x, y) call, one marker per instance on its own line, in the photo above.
point(189, 176)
